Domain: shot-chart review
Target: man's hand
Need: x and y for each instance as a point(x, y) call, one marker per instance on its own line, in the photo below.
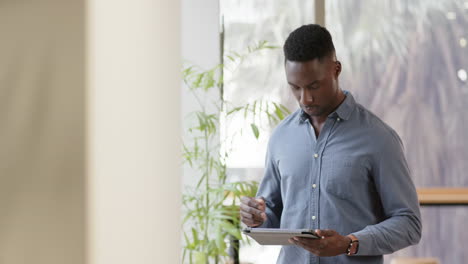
point(252, 211)
point(331, 243)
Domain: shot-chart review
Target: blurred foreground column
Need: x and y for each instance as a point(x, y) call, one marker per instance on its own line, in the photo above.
point(134, 131)
point(89, 132)
point(42, 132)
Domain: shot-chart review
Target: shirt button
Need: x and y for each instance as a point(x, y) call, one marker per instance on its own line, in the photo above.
point(338, 119)
point(314, 185)
point(313, 217)
point(315, 155)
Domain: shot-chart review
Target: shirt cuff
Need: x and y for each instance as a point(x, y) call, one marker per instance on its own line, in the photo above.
point(271, 222)
point(366, 242)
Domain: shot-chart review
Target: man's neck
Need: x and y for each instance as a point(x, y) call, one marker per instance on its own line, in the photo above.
point(318, 121)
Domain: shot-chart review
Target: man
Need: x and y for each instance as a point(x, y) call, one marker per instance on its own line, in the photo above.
point(334, 167)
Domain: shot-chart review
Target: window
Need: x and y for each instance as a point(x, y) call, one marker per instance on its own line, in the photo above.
point(407, 61)
point(260, 77)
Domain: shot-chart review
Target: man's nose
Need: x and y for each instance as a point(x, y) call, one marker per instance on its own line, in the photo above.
point(306, 97)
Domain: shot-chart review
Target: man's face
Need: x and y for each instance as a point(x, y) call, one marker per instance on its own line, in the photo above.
point(315, 85)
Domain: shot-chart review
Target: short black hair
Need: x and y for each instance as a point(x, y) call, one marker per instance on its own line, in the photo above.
point(307, 43)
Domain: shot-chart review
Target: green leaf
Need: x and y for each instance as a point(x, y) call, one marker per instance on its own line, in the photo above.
point(246, 108)
point(187, 72)
point(198, 80)
point(201, 180)
point(220, 243)
point(284, 109)
point(195, 236)
point(234, 110)
point(255, 130)
point(231, 229)
point(209, 81)
point(272, 118)
point(189, 246)
point(200, 257)
point(278, 112)
point(220, 80)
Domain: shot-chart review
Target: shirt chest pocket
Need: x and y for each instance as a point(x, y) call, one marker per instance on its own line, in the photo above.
point(344, 177)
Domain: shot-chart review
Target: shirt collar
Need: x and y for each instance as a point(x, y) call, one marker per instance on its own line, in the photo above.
point(343, 111)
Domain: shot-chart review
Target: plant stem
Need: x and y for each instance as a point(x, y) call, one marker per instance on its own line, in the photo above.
point(207, 187)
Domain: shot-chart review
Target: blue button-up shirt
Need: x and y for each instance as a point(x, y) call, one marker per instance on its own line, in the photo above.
point(353, 178)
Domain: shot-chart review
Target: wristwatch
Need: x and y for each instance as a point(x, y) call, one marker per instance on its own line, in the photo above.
point(353, 246)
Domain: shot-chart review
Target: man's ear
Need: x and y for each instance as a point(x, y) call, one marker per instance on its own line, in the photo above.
point(337, 68)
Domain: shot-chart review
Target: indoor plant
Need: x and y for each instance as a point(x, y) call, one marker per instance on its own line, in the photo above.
point(210, 206)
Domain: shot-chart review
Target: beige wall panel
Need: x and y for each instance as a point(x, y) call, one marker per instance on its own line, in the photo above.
point(41, 132)
point(134, 131)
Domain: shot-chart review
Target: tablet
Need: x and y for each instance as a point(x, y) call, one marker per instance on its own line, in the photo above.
point(276, 236)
